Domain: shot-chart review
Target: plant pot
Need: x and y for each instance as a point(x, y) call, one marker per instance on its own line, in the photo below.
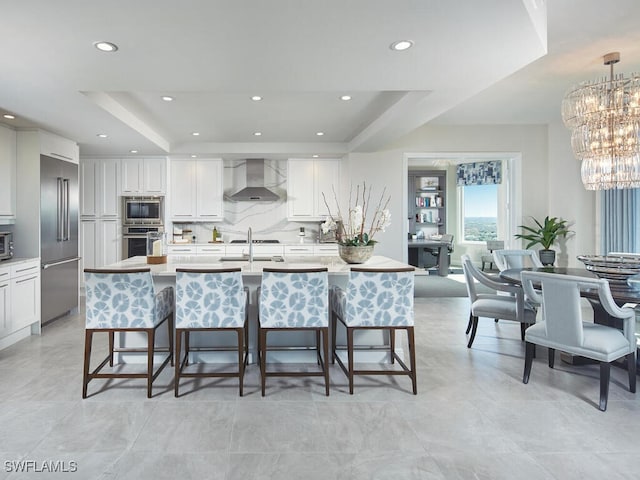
point(355, 254)
point(547, 257)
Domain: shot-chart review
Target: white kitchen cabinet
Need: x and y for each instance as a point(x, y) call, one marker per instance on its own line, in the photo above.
point(182, 250)
point(25, 294)
point(325, 250)
point(298, 250)
point(196, 190)
point(55, 146)
point(100, 188)
point(100, 243)
point(8, 160)
point(259, 250)
point(5, 301)
point(144, 176)
point(213, 250)
point(307, 180)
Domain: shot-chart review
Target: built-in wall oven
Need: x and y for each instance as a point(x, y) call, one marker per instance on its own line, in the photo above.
point(134, 239)
point(141, 215)
point(143, 210)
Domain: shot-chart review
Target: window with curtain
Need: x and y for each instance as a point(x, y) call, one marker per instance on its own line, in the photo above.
point(620, 226)
point(479, 184)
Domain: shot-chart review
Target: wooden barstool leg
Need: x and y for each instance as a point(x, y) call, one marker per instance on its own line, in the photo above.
point(88, 341)
point(392, 343)
point(325, 363)
point(111, 335)
point(178, 362)
point(170, 323)
point(240, 332)
point(151, 336)
point(412, 359)
point(263, 355)
point(350, 355)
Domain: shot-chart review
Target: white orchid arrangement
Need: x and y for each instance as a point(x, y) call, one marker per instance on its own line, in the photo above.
point(353, 231)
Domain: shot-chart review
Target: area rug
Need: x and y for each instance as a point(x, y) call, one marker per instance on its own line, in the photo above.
point(453, 285)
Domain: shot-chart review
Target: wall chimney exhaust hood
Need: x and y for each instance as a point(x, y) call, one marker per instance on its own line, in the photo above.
point(255, 189)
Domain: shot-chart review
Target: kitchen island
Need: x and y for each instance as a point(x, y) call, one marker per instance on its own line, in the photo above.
point(165, 275)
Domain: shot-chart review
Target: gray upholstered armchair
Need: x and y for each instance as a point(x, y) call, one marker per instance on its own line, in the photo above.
point(563, 328)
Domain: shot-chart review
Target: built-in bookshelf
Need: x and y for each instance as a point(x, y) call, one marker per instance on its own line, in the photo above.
point(427, 206)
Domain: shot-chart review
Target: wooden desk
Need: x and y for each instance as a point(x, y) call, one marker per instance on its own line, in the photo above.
point(416, 257)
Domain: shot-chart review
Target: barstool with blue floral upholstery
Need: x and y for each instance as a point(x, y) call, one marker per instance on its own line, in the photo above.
point(294, 299)
point(210, 300)
point(119, 301)
point(376, 299)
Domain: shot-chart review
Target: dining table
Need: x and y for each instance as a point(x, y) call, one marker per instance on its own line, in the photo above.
point(623, 294)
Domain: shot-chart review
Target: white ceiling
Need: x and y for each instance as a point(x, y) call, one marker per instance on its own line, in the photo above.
point(472, 62)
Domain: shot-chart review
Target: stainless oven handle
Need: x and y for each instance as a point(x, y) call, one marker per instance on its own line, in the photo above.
point(59, 216)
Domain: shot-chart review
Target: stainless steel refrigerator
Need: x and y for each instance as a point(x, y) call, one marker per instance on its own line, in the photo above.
point(59, 199)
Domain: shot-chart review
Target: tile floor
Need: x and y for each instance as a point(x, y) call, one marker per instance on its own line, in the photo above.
point(472, 418)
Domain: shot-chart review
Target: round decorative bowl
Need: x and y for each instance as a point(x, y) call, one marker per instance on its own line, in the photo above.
point(355, 254)
point(618, 269)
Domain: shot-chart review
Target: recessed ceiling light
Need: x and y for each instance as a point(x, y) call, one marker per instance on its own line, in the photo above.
point(105, 46)
point(256, 98)
point(195, 134)
point(257, 134)
point(401, 45)
point(194, 156)
point(133, 151)
point(8, 116)
point(345, 97)
point(167, 98)
point(320, 134)
point(102, 135)
point(315, 156)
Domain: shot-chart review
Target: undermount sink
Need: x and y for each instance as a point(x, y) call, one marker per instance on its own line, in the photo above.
point(255, 259)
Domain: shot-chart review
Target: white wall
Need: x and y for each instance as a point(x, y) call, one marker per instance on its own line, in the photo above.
point(550, 177)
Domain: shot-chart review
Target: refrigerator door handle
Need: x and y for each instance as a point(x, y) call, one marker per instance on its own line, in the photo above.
point(61, 262)
point(65, 211)
point(59, 206)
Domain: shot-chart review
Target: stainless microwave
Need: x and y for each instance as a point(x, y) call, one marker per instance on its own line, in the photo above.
point(6, 245)
point(143, 210)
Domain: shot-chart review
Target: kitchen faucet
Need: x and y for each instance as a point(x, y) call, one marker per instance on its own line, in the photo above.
point(250, 245)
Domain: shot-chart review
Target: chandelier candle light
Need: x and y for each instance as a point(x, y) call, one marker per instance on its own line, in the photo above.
point(604, 118)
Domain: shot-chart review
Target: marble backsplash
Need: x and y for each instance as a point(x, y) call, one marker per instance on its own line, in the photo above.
point(268, 220)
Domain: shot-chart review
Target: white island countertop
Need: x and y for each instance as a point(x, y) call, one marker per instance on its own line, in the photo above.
point(335, 265)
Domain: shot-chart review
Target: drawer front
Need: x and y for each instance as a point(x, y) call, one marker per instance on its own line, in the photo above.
point(25, 268)
point(5, 273)
point(298, 250)
point(181, 250)
point(218, 250)
point(326, 250)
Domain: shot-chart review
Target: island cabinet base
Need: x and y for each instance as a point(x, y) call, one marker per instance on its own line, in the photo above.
point(302, 342)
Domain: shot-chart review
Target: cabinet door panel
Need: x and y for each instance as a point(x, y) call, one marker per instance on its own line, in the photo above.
point(111, 242)
point(109, 188)
point(88, 187)
point(25, 296)
point(8, 169)
point(132, 175)
point(154, 175)
point(183, 189)
point(300, 198)
point(327, 180)
point(209, 189)
point(5, 308)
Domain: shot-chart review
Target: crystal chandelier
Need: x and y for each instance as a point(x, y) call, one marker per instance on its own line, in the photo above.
point(604, 118)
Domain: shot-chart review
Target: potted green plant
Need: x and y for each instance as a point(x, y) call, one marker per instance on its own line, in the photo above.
point(545, 233)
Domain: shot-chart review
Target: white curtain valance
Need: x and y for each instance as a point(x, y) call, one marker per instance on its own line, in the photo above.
point(479, 173)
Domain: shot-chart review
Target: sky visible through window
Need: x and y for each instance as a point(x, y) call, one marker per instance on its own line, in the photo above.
point(480, 216)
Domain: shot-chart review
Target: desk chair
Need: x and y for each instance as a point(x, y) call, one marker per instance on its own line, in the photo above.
point(210, 301)
point(290, 300)
point(435, 252)
point(506, 307)
point(120, 301)
point(488, 257)
point(563, 328)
